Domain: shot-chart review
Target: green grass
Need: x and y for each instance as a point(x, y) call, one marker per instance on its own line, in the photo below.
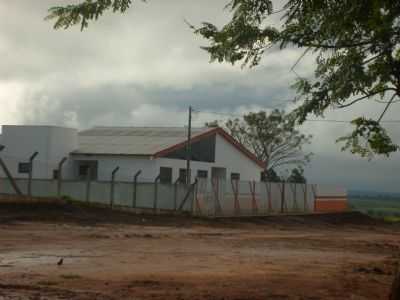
point(387, 209)
point(391, 219)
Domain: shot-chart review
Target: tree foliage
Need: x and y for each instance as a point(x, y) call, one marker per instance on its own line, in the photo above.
point(82, 13)
point(272, 137)
point(271, 176)
point(356, 44)
point(297, 176)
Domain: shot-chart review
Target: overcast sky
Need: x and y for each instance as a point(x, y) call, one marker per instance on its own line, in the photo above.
point(145, 68)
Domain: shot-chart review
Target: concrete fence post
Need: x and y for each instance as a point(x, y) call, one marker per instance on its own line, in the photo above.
point(88, 183)
point(305, 197)
point(235, 190)
point(31, 159)
point(194, 195)
point(283, 198)
point(59, 176)
point(294, 191)
point(314, 193)
point(114, 172)
point(268, 187)
point(254, 207)
point(215, 186)
point(155, 203)
point(8, 174)
point(176, 193)
point(134, 195)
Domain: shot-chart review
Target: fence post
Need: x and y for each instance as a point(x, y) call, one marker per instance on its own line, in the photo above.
point(294, 190)
point(235, 189)
point(88, 181)
point(112, 186)
point(189, 191)
point(156, 192)
point(31, 159)
point(217, 206)
point(254, 207)
point(305, 197)
point(283, 197)
point(313, 188)
point(59, 176)
point(176, 193)
point(194, 196)
point(8, 174)
point(134, 196)
point(268, 187)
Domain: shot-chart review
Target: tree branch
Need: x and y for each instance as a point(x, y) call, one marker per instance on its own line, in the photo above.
point(386, 108)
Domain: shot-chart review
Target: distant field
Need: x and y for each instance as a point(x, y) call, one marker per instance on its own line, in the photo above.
point(389, 209)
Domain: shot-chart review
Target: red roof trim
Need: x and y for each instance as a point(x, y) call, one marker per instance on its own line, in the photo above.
point(221, 132)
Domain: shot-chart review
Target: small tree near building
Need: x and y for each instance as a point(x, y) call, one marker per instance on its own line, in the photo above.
point(273, 138)
point(297, 176)
point(271, 176)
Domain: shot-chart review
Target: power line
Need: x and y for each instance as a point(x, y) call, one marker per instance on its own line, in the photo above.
point(307, 120)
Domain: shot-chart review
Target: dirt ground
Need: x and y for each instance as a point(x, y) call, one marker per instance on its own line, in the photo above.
point(110, 255)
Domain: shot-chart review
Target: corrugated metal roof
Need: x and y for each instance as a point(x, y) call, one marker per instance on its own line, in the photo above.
point(132, 140)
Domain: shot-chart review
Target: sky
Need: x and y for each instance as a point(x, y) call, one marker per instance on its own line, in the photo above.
point(145, 68)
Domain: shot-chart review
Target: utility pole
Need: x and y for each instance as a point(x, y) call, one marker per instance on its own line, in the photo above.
point(189, 147)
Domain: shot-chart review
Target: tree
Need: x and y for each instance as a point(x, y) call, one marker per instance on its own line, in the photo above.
point(357, 45)
point(272, 137)
point(271, 176)
point(297, 176)
point(356, 42)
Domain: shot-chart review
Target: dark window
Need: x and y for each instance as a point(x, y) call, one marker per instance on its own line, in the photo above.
point(202, 174)
point(182, 176)
point(165, 175)
point(85, 167)
point(235, 176)
point(24, 167)
point(55, 174)
point(83, 170)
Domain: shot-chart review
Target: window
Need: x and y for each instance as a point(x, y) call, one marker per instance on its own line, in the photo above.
point(202, 173)
point(83, 171)
point(84, 167)
point(165, 175)
point(182, 176)
point(24, 167)
point(235, 176)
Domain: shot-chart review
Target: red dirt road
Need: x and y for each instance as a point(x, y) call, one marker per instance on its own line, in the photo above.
point(293, 258)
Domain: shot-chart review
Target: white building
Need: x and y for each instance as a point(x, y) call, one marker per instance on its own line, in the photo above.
point(152, 150)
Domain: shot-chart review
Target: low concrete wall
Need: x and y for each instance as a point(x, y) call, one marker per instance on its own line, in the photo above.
point(207, 198)
point(330, 204)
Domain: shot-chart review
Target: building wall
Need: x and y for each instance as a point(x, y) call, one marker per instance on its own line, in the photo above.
point(226, 155)
point(52, 143)
point(128, 165)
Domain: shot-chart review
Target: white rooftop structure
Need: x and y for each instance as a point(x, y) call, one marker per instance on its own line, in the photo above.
point(147, 141)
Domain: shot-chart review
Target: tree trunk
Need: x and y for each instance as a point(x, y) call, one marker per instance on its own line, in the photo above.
point(395, 292)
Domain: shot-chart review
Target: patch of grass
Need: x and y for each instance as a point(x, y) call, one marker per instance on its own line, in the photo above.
point(391, 219)
point(70, 276)
point(377, 208)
